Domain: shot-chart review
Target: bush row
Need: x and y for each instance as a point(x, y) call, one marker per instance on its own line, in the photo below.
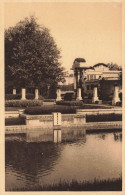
point(103, 117)
point(70, 103)
point(49, 100)
point(23, 103)
point(14, 121)
point(49, 109)
point(18, 96)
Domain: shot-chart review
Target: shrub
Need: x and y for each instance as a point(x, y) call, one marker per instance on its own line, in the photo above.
point(12, 96)
point(49, 100)
point(70, 103)
point(118, 103)
point(103, 117)
point(106, 97)
point(41, 97)
point(14, 121)
point(69, 87)
point(30, 96)
point(18, 96)
point(68, 96)
point(120, 96)
point(90, 96)
point(49, 109)
point(23, 103)
point(94, 106)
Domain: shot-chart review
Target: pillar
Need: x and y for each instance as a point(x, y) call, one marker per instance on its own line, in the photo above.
point(78, 76)
point(58, 95)
point(36, 94)
point(116, 95)
point(56, 118)
point(23, 94)
point(95, 95)
point(79, 97)
point(14, 91)
point(74, 80)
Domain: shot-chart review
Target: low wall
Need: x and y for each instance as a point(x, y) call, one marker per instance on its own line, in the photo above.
point(13, 114)
point(88, 127)
point(9, 114)
point(47, 120)
point(99, 111)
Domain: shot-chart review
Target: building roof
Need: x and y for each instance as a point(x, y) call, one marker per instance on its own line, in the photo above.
point(99, 64)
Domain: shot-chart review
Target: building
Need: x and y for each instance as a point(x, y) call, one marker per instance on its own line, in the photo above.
point(85, 78)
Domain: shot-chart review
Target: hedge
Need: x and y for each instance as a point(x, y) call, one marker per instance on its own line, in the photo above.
point(49, 100)
point(120, 96)
point(69, 96)
point(49, 109)
point(96, 106)
point(119, 103)
point(18, 96)
point(103, 117)
point(12, 96)
point(14, 121)
point(70, 103)
point(23, 103)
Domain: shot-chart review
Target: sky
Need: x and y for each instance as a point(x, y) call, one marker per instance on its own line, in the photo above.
point(92, 31)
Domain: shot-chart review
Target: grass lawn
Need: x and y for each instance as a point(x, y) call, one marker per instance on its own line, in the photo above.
point(96, 185)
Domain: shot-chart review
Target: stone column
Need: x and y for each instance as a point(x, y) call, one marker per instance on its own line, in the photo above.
point(14, 91)
point(78, 76)
point(79, 97)
point(116, 95)
point(58, 95)
point(95, 95)
point(74, 80)
point(36, 94)
point(23, 94)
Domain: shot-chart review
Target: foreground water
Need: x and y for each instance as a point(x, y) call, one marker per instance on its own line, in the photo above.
point(33, 159)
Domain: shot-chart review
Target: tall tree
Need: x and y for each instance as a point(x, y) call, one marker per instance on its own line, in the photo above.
point(31, 55)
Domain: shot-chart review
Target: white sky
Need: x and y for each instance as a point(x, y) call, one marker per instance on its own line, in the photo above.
point(88, 30)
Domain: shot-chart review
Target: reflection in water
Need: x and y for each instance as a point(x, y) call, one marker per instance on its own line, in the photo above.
point(118, 136)
point(57, 135)
point(34, 158)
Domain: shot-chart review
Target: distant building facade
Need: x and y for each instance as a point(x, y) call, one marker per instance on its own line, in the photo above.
point(87, 77)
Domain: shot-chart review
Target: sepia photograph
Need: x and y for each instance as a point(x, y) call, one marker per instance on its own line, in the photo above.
point(63, 68)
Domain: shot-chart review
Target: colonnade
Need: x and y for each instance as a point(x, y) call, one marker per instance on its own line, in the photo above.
point(23, 93)
point(95, 97)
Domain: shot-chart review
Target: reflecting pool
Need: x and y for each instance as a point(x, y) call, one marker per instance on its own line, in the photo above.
point(34, 159)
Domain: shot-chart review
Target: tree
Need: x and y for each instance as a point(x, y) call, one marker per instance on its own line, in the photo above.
point(31, 55)
point(113, 66)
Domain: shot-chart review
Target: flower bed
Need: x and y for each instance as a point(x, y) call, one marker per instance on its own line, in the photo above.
point(23, 103)
point(70, 103)
point(49, 109)
point(103, 117)
point(14, 121)
point(49, 100)
point(29, 96)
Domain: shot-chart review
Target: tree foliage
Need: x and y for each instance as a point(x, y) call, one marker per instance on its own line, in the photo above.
point(31, 55)
point(113, 66)
point(80, 60)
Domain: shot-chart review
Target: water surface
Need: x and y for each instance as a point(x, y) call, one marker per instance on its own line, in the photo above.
point(33, 159)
